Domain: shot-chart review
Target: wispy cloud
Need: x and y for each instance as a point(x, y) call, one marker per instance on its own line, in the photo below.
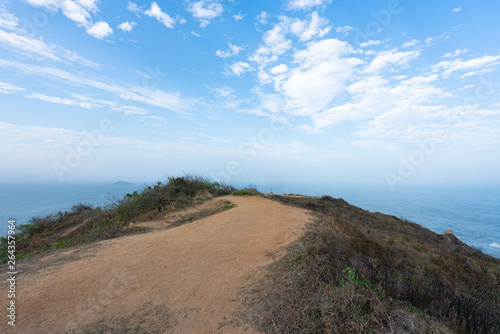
point(238, 17)
point(58, 100)
point(240, 68)
point(233, 51)
point(391, 57)
point(307, 4)
point(133, 7)
point(90, 103)
point(6, 88)
point(450, 66)
point(7, 20)
point(411, 43)
point(156, 12)
point(370, 43)
point(125, 92)
point(205, 10)
point(344, 30)
point(35, 48)
point(455, 54)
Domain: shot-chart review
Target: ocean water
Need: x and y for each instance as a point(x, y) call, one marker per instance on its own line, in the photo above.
point(472, 212)
point(24, 201)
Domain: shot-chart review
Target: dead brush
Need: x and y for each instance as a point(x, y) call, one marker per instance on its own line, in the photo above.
point(359, 272)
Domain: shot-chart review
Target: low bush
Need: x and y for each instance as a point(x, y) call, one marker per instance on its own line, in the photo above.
point(359, 272)
point(85, 223)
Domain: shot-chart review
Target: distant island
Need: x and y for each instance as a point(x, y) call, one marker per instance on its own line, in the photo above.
point(122, 183)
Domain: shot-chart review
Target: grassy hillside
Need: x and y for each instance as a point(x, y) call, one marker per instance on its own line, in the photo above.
point(359, 272)
point(85, 223)
point(352, 271)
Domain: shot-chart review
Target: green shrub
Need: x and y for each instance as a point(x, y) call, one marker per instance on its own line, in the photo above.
point(177, 193)
point(84, 223)
point(246, 192)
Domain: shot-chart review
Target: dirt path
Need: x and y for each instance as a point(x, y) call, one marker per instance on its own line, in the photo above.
point(182, 280)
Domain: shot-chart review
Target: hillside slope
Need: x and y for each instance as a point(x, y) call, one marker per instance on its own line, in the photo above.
point(180, 280)
point(248, 264)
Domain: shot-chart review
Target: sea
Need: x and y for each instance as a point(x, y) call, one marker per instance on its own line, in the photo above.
point(472, 212)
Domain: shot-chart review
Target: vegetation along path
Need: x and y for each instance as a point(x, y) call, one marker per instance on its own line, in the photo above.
point(185, 279)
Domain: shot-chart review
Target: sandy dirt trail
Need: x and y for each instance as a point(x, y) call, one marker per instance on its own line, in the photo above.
point(182, 280)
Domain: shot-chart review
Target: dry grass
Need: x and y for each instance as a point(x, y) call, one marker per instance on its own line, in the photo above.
point(359, 272)
point(84, 223)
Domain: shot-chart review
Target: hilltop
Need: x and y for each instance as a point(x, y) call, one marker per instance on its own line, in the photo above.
point(193, 256)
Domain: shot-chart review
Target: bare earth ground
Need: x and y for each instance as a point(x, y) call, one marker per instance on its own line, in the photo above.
point(182, 280)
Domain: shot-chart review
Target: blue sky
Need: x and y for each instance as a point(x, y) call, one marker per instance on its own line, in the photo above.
point(391, 92)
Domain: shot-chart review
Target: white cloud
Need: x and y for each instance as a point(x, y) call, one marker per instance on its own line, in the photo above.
point(222, 92)
point(90, 5)
point(75, 12)
point(321, 76)
point(127, 26)
point(311, 90)
point(391, 57)
point(455, 54)
point(27, 45)
point(262, 17)
point(100, 30)
point(180, 20)
point(89, 103)
point(6, 88)
point(276, 41)
point(7, 20)
point(343, 30)
point(156, 12)
point(78, 11)
point(411, 43)
point(400, 104)
point(125, 92)
point(238, 17)
point(205, 10)
point(280, 69)
point(58, 100)
point(240, 68)
point(195, 34)
point(457, 10)
point(121, 107)
point(449, 67)
point(309, 29)
point(370, 43)
point(366, 84)
point(233, 51)
point(474, 73)
point(131, 6)
point(34, 48)
point(307, 4)
point(323, 51)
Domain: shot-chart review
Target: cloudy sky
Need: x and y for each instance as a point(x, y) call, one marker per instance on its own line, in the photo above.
point(391, 92)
